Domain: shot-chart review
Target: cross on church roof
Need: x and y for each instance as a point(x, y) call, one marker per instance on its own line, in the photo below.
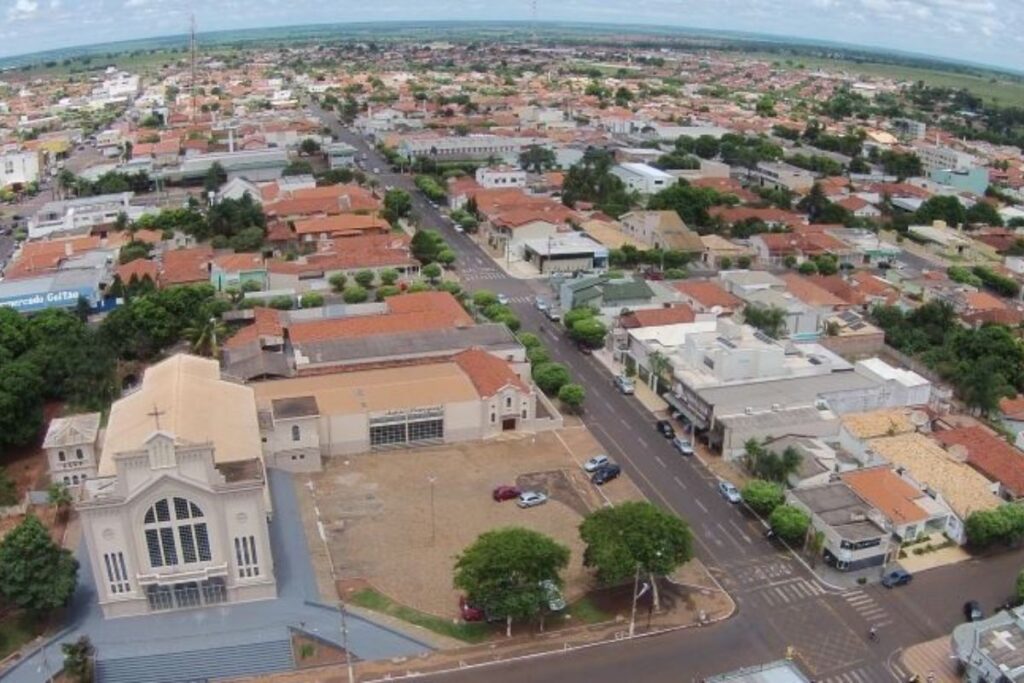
point(155, 414)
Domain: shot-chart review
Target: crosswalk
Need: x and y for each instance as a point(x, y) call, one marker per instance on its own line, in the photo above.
point(867, 608)
point(475, 274)
point(788, 592)
point(520, 299)
point(755, 574)
point(859, 675)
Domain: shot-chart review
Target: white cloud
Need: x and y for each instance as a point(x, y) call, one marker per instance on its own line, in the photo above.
point(22, 9)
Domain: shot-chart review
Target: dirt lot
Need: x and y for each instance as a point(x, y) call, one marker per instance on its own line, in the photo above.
point(377, 509)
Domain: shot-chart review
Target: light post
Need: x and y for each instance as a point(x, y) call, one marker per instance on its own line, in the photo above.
point(344, 643)
point(636, 596)
point(433, 521)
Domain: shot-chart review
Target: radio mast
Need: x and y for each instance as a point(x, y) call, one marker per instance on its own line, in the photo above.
point(192, 59)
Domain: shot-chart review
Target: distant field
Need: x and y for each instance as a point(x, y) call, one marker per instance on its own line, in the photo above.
point(1003, 92)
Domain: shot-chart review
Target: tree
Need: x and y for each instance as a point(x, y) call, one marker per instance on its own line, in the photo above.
point(309, 146)
point(311, 300)
point(36, 574)
point(983, 213)
point(763, 496)
point(1019, 587)
point(503, 570)
point(78, 660)
point(808, 268)
point(431, 271)
point(941, 208)
point(206, 337)
point(21, 408)
point(575, 315)
point(659, 365)
point(769, 319)
point(426, 244)
point(483, 298)
point(743, 262)
point(529, 340)
point(354, 295)
point(282, 303)
point(388, 276)
point(789, 523)
point(384, 291)
point(550, 377)
point(215, 177)
point(815, 203)
point(983, 383)
point(589, 332)
point(766, 464)
point(397, 204)
point(8, 489)
point(337, 282)
point(365, 278)
point(248, 240)
point(446, 257)
point(765, 107)
point(537, 159)
point(571, 396)
point(59, 496)
point(635, 536)
point(298, 167)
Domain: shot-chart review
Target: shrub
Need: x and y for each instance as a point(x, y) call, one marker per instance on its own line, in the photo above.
point(763, 496)
point(550, 377)
point(282, 303)
point(354, 295)
point(312, 300)
point(789, 523)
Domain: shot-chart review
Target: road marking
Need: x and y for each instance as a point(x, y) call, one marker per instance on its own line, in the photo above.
point(642, 442)
point(660, 461)
point(741, 533)
point(626, 424)
point(700, 505)
point(680, 482)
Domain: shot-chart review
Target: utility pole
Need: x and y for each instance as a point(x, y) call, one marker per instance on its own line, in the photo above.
point(533, 18)
point(192, 59)
point(433, 519)
point(637, 594)
point(344, 643)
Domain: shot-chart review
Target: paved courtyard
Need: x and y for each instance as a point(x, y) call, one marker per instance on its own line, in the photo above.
point(298, 607)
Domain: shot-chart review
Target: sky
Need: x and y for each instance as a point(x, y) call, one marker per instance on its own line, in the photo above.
point(983, 31)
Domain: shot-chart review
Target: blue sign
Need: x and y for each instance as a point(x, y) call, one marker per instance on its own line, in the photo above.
point(64, 298)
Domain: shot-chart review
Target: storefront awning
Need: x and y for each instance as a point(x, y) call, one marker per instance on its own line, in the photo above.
point(692, 417)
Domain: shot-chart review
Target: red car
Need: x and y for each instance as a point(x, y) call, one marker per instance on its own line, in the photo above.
point(501, 493)
point(469, 612)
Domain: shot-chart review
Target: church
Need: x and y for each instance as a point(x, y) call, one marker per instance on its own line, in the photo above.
point(176, 513)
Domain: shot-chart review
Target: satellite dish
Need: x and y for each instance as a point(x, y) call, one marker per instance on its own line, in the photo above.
point(918, 418)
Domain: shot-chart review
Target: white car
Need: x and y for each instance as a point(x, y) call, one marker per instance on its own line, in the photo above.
point(459, 228)
point(529, 499)
point(503, 300)
point(625, 385)
point(596, 463)
point(556, 602)
point(682, 445)
point(541, 304)
point(729, 492)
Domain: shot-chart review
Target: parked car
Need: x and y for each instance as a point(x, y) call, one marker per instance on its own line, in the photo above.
point(501, 493)
point(973, 611)
point(459, 228)
point(625, 385)
point(503, 300)
point(596, 463)
point(729, 492)
point(664, 427)
point(897, 577)
point(584, 349)
point(606, 474)
point(541, 304)
point(556, 602)
point(553, 315)
point(469, 611)
point(529, 499)
point(682, 445)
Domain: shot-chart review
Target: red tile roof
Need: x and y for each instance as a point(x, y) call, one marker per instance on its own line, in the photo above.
point(809, 292)
point(266, 323)
point(184, 266)
point(139, 268)
point(488, 373)
point(233, 263)
point(990, 455)
point(658, 316)
point(708, 294)
point(887, 492)
point(407, 313)
point(1012, 408)
point(348, 223)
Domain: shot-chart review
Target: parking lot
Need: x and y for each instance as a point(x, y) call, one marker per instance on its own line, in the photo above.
point(382, 526)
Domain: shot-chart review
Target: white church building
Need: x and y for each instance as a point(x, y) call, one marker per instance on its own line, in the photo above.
point(175, 516)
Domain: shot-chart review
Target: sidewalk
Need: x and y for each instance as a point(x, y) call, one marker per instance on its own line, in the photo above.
point(650, 400)
point(931, 656)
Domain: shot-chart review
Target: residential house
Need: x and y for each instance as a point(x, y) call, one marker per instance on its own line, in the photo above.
point(608, 296)
point(989, 454)
point(642, 178)
point(855, 537)
point(707, 296)
point(235, 270)
point(661, 230)
point(907, 511)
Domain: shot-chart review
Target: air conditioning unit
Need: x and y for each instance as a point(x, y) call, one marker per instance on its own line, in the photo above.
point(777, 407)
point(748, 410)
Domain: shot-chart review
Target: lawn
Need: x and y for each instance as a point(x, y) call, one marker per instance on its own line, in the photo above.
point(992, 88)
point(17, 629)
point(378, 602)
point(584, 611)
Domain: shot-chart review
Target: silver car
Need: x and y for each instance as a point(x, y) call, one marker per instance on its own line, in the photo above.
point(625, 385)
point(529, 499)
point(682, 445)
point(596, 463)
point(729, 492)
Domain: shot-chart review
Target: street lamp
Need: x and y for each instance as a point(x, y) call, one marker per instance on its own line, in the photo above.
point(433, 521)
point(344, 643)
point(636, 596)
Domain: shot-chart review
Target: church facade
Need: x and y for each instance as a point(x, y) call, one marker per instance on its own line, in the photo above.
point(176, 517)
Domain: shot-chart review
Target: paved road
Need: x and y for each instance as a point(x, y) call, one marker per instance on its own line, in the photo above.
point(780, 602)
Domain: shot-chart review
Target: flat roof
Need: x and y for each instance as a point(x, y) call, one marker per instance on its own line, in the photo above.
point(782, 671)
point(842, 509)
point(369, 391)
point(645, 170)
point(791, 391)
point(291, 408)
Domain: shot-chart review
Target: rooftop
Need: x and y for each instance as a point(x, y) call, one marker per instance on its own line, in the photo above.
point(989, 454)
point(72, 430)
point(841, 508)
point(875, 423)
point(887, 492)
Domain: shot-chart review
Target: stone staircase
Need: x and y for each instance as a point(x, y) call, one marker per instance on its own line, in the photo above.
point(198, 666)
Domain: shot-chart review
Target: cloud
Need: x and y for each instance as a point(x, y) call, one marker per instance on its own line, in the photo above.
point(22, 9)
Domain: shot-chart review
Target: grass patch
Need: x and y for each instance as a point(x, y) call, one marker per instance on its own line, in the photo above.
point(584, 611)
point(368, 598)
point(17, 629)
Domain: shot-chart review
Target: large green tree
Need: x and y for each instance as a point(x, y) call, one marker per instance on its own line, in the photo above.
point(503, 569)
point(789, 523)
point(635, 536)
point(769, 319)
point(537, 159)
point(36, 574)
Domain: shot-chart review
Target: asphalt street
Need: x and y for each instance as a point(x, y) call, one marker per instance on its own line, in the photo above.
point(780, 602)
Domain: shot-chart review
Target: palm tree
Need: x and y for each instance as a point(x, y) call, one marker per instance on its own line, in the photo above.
point(205, 338)
point(659, 366)
point(60, 497)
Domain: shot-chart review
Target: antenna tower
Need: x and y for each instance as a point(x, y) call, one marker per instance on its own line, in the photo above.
point(533, 18)
point(192, 59)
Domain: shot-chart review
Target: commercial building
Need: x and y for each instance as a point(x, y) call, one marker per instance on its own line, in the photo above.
point(609, 296)
point(566, 253)
point(991, 650)
point(941, 157)
point(660, 230)
point(782, 671)
point(79, 216)
point(61, 289)
point(18, 168)
point(467, 147)
point(642, 178)
point(254, 165)
point(491, 177)
point(855, 537)
point(340, 155)
point(777, 175)
point(176, 517)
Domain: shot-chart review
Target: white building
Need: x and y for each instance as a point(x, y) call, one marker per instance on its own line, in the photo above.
point(18, 168)
point(491, 177)
point(777, 175)
point(71, 448)
point(467, 147)
point(79, 216)
point(176, 516)
point(643, 178)
point(941, 157)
